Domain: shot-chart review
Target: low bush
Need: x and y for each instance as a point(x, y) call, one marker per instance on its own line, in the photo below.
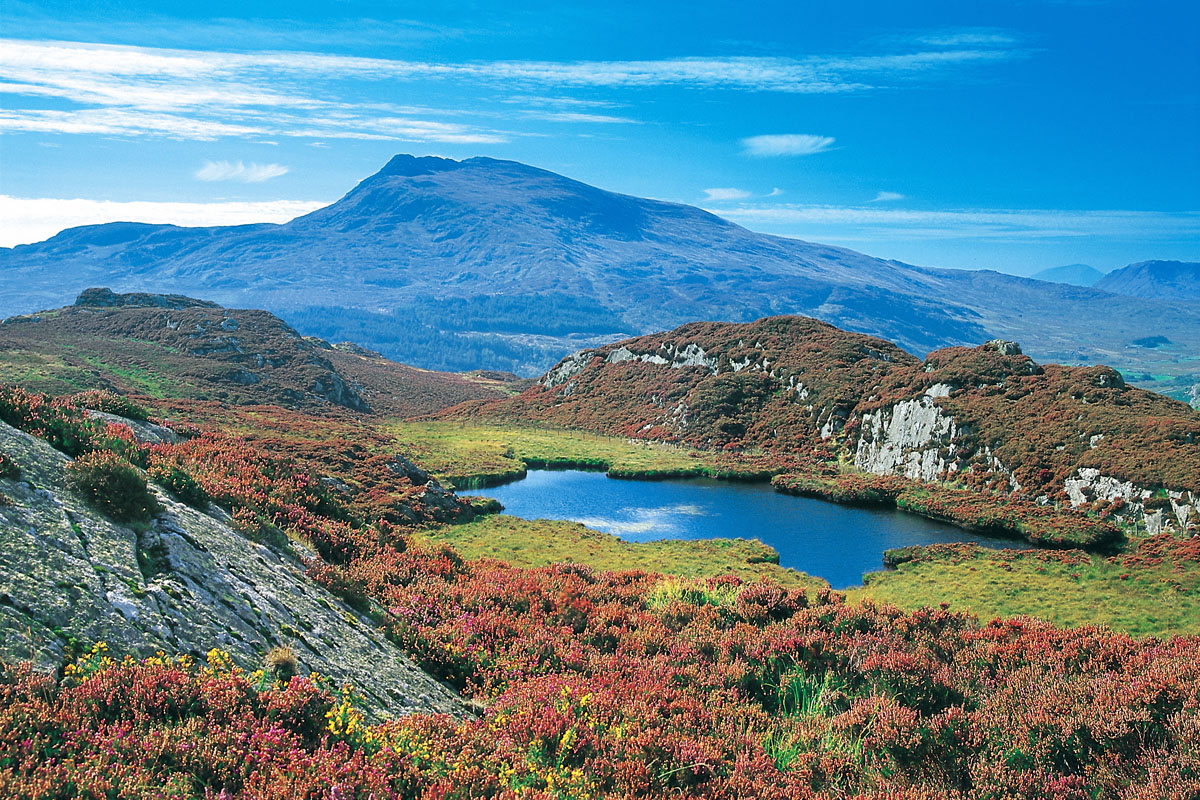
point(112, 485)
point(8, 467)
point(179, 483)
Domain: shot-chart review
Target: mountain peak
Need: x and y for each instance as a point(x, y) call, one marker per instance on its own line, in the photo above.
point(1073, 274)
point(403, 164)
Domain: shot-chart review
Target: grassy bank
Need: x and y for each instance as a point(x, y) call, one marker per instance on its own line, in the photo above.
point(1154, 589)
point(472, 455)
point(537, 543)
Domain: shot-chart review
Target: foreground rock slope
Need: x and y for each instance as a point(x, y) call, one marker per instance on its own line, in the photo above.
point(184, 583)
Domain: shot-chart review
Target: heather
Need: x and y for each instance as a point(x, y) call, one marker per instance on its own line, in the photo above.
point(591, 683)
point(593, 690)
point(112, 485)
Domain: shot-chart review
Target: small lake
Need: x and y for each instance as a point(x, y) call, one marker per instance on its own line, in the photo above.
point(838, 543)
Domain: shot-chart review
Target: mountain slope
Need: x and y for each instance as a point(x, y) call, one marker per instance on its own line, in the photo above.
point(1074, 274)
point(175, 346)
point(1171, 281)
point(987, 416)
point(493, 263)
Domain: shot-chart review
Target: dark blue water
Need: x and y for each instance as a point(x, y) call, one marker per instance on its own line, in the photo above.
point(838, 543)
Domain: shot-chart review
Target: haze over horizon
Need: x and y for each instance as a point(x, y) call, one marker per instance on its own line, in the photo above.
point(944, 136)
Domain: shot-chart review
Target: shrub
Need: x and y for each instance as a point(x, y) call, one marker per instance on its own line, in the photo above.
point(112, 485)
point(8, 467)
point(281, 664)
point(182, 486)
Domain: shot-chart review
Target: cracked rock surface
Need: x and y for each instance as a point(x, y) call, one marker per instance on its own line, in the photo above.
point(184, 583)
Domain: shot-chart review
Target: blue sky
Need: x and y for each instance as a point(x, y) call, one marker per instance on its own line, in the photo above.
point(1009, 135)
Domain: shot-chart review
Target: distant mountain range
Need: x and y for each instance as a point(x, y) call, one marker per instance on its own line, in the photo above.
point(1074, 274)
point(486, 263)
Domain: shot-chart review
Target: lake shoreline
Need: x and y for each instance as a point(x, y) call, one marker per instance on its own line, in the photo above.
point(837, 542)
point(483, 481)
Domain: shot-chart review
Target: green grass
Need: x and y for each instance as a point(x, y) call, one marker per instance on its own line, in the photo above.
point(472, 455)
point(142, 380)
point(1157, 600)
point(538, 543)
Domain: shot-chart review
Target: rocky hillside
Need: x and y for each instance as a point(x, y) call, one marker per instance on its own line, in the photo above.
point(986, 416)
point(183, 583)
point(495, 264)
point(170, 346)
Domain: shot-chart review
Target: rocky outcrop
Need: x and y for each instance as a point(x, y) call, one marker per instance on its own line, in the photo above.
point(107, 298)
point(184, 583)
point(566, 369)
point(144, 432)
point(669, 354)
point(911, 438)
point(1003, 347)
point(1159, 510)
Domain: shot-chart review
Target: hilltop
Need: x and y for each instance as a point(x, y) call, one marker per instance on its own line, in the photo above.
point(987, 416)
point(1074, 274)
point(487, 263)
point(1169, 281)
point(172, 346)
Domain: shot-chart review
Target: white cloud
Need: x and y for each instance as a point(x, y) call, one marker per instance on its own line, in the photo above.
point(243, 173)
point(786, 144)
point(775, 192)
point(203, 94)
point(121, 122)
point(31, 219)
point(887, 197)
point(725, 194)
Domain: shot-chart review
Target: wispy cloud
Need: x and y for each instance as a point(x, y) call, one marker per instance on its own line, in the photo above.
point(720, 195)
point(206, 94)
point(577, 116)
point(32, 219)
point(858, 224)
point(787, 144)
point(887, 197)
point(238, 171)
point(970, 37)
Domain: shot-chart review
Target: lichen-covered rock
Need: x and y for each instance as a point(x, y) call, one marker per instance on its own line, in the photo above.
point(1004, 347)
point(912, 438)
point(184, 583)
point(1159, 510)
